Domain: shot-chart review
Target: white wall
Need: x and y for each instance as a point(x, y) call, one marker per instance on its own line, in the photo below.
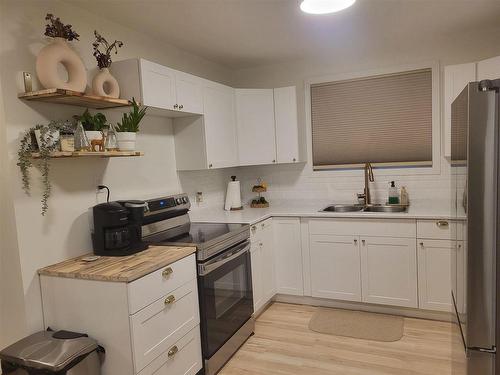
point(64, 232)
point(297, 181)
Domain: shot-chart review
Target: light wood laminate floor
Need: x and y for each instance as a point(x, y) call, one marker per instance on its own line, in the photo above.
point(283, 345)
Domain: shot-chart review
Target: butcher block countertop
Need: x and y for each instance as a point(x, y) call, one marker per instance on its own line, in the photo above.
point(119, 269)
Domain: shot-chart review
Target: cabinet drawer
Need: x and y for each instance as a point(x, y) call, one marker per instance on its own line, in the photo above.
point(437, 229)
point(184, 358)
point(149, 288)
point(363, 227)
point(158, 326)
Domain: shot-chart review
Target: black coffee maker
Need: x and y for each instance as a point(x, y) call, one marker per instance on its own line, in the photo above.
point(117, 228)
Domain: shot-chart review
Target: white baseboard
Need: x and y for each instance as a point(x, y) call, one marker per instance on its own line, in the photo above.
point(403, 311)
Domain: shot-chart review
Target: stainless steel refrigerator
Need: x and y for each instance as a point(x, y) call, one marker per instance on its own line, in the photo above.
point(475, 264)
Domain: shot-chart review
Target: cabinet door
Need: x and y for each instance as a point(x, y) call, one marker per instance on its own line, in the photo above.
point(288, 256)
point(434, 274)
point(488, 69)
point(255, 121)
point(389, 271)
point(189, 93)
point(256, 259)
point(456, 77)
point(158, 85)
point(335, 267)
point(220, 126)
point(287, 131)
point(268, 274)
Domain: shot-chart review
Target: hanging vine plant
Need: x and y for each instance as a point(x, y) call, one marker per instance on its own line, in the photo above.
point(44, 144)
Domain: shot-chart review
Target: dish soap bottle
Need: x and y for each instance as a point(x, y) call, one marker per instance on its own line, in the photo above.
point(405, 198)
point(393, 194)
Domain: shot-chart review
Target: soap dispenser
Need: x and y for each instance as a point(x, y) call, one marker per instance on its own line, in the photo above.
point(393, 194)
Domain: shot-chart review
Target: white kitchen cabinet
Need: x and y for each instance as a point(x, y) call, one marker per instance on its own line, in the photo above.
point(256, 259)
point(263, 274)
point(389, 271)
point(287, 131)
point(335, 267)
point(189, 92)
point(208, 141)
point(255, 124)
point(160, 87)
point(434, 273)
point(488, 69)
point(288, 256)
point(138, 323)
point(456, 77)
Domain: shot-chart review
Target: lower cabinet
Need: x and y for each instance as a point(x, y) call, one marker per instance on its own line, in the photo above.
point(435, 273)
point(262, 258)
point(335, 267)
point(389, 271)
point(288, 256)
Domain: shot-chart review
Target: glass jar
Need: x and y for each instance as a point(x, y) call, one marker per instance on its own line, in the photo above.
point(67, 141)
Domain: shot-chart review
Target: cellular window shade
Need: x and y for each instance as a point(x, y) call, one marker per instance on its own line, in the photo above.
point(380, 119)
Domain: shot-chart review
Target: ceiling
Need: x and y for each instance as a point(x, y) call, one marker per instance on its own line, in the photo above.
point(247, 33)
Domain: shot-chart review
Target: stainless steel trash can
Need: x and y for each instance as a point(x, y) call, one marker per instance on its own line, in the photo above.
point(50, 352)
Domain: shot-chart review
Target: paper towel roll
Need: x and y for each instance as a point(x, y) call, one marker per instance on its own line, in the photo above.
point(233, 196)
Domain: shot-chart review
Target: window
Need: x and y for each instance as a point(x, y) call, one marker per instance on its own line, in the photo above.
point(386, 120)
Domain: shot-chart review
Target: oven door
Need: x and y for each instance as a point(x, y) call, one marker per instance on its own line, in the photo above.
point(226, 300)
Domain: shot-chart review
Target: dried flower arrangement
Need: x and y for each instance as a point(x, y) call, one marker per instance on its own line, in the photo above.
point(104, 58)
point(56, 29)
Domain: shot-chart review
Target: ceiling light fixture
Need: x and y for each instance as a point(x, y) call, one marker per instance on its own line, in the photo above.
point(325, 6)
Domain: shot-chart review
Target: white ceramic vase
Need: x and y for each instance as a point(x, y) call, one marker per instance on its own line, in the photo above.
point(104, 84)
point(126, 141)
point(47, 61)
point(93, 134)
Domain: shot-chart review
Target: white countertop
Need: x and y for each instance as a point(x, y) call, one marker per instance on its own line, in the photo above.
point(311, 208)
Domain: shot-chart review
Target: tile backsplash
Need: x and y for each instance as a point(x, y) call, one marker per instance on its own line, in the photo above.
point(296, 182)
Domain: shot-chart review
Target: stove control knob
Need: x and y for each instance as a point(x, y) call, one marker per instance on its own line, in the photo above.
point(178, 201)
point(185, 200)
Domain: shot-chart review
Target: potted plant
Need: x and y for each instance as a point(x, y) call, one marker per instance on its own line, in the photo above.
point(93, 124)
point(127, 129)
point(104, 84)
point(59, 53)
point(44, 144)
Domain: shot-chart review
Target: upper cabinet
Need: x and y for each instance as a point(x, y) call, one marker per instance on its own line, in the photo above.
point(255, 123)
point(158, 86)
point(267, 126)
point(287, 130)
point(456, 77)
point(208, 141)
point(488, 69)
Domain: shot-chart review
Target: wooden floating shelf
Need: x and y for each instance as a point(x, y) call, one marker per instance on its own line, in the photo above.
point(61, 96)
point(82, 154)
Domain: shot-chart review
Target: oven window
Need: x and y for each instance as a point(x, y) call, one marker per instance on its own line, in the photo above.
point(229, 290)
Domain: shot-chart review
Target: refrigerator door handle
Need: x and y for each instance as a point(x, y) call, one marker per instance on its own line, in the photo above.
point(492, 350)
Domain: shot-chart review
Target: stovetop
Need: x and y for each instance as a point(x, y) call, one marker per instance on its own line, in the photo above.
point(209, 238)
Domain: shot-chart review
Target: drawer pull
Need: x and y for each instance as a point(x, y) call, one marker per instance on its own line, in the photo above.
point(169, 300)
point(442, 223)
point(173, 351)
point(167, 272)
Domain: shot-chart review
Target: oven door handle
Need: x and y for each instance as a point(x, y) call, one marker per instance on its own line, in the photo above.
point(206, 268)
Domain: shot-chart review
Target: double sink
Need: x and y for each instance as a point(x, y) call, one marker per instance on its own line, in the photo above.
point(365, 208)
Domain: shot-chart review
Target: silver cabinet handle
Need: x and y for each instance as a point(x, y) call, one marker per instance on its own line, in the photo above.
point(363, 242)
point(173, 351)
point(355, 241)
point(442, 223)
point(176, 106)
point(181, 106)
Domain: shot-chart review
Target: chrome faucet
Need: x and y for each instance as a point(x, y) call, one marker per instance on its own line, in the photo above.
point(368, 178)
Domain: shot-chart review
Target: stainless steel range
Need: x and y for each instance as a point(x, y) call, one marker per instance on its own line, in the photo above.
point(224, 274)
